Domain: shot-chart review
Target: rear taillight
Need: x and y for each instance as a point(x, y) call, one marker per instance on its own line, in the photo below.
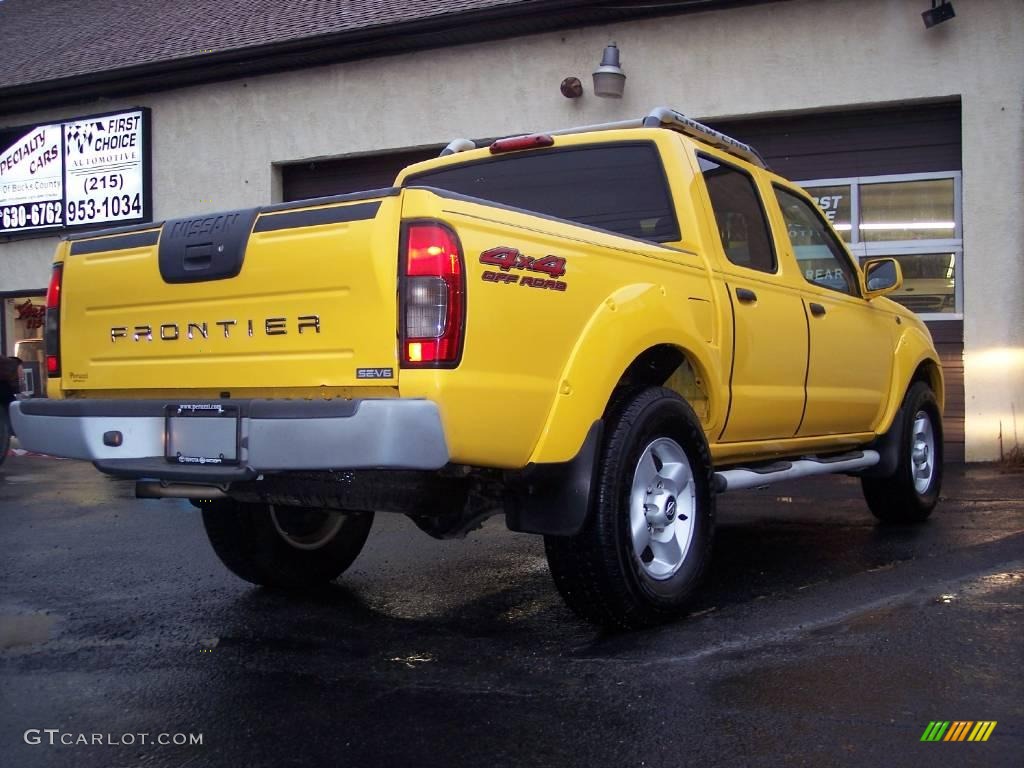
point(433, 288)
point(52, 333)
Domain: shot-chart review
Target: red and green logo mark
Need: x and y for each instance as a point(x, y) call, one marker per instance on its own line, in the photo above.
point(958, 730)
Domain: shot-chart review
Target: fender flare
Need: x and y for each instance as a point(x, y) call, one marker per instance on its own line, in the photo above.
point(913, 349)
point(626, 324)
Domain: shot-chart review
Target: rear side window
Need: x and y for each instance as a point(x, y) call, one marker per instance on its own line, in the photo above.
point(618, 187)
point(740, 217)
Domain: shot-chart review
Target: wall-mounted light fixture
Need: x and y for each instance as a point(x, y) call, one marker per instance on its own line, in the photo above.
point(571, 88)
point(940, 11)
point(609, 79)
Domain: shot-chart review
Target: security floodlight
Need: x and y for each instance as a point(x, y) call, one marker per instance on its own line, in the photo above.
point(609, 79)
point(939, 12)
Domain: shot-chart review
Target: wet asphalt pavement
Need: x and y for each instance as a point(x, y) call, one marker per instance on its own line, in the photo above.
point(820, 639)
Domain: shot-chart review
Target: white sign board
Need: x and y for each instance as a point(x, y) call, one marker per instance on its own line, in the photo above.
point(32, 180)
point(87, 172)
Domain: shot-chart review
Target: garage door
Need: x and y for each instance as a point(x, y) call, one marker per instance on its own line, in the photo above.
point(319, 178)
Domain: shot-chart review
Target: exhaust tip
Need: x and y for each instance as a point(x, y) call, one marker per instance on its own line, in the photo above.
point(154, 489)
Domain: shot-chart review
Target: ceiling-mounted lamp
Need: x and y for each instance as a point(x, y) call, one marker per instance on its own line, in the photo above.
point(609, 79)
point(940, 11)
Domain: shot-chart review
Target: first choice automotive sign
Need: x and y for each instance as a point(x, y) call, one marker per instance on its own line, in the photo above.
point(84, 172)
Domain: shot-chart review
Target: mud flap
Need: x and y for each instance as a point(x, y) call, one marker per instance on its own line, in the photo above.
point(554, 499)
point(888, 446)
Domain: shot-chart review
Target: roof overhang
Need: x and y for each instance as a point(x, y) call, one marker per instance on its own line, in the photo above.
point(513, 20)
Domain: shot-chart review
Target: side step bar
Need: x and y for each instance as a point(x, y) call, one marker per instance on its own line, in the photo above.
point(754, 477)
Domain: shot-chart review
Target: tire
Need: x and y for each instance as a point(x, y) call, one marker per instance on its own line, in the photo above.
point(909, 495)
point(284, 547)
point(643, 550)
point(5, 432)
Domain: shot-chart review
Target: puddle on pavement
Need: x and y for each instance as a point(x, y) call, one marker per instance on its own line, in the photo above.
point(987, 587)
point(25, 629)
point(413, 659)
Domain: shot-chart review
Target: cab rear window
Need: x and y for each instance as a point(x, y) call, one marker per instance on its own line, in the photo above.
point(619, 187)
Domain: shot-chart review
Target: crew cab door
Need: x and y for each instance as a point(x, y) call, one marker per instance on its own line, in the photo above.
point(769, 326)
point(851, 339)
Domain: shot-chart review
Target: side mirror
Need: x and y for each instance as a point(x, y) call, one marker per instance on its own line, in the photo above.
point(882, 276)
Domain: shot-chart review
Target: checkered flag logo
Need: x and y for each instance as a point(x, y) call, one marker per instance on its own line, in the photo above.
point(81, 135)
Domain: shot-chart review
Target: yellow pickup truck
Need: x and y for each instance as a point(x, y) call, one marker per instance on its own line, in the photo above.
point(592, 331)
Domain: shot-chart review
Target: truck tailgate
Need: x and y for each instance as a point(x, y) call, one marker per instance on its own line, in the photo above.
point(285, 296)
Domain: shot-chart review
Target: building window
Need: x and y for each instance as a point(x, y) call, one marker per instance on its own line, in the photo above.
point(835, 201)
point(929, 282)
point(914, 218)
point(907, 210)
point(22, 323)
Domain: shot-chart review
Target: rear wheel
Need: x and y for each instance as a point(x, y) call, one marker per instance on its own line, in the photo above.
point(648, 540)
point(288, 547)
point(911, 492)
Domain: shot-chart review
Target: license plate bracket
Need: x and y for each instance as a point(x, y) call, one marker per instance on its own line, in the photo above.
point(202, 433)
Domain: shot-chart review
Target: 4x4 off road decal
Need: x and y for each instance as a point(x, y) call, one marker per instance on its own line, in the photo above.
point(507, 259)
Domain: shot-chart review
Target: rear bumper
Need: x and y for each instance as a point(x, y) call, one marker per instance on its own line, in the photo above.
point(273, 435)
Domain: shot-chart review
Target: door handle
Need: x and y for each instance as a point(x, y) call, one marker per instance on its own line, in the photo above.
point(817, 309)
point(197, 257)
point(746, 295)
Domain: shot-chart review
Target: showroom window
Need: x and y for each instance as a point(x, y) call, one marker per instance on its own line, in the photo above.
point(914, 218)
point(836, 201)
point(21, 325)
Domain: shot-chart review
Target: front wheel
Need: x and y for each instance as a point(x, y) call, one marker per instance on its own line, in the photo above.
point(909, 495)
point(286, 547)
point(645, 547)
